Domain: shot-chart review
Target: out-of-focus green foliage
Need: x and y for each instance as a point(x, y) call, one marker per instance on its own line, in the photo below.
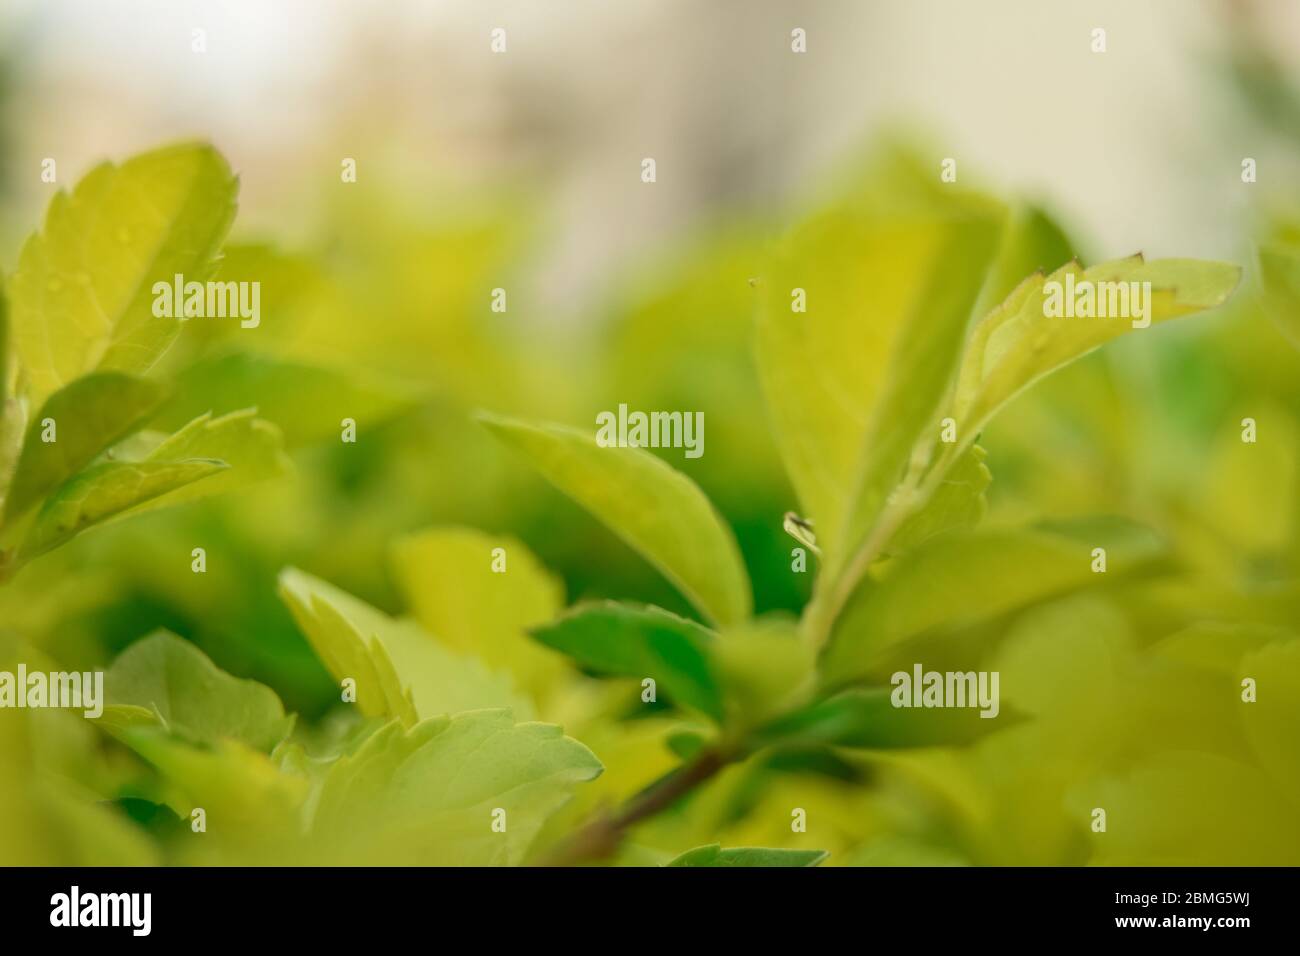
point(704, 694)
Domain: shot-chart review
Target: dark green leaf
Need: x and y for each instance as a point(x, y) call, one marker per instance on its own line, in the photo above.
point(715, 855)
point(618, 640)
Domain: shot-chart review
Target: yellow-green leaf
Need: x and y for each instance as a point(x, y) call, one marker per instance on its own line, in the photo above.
point(82, 296)
point(246, 798)
point(715, 855)
point(104, 491)
point(251, 447)
point(399, 670)
point(653, 507)
point(1272, 721)
point(1279, 273)
point(1019, 342)
point(957, 503)
point(852, 381)
point(968, 576)
point(94, 412)
point(192, 697)
point(305, 401)
point(447, 578)
point(430, 795)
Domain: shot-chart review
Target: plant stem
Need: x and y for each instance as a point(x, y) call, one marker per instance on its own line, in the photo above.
point(917, 488)
point(600, 837)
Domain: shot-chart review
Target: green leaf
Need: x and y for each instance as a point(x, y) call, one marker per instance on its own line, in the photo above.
point(1018, 343)
point(82, 296)
point(13, 412)
point(91, 414)
point(616, 639)
point(853, 382)
point(656, 509)
point(715, 855)
point(1065, 660)
point(1217, 646)
point(104, 491)
point(1279, 273)
point(427, 795)
point(1157, 813)
point(868, 719)
point(923, 363)
point(686, 743)
point(898, 850)
point(400, 671)
point(305, 401)
point(1249, 493)
point(1272, 722)
point(4, 348)
point(958, 503)
point(765, 669)
point(12, 418)
point(447, 578)
point(194, 698)
point(90, 832)
point(295, 290)
point(251, 447)
point(247, 799)
point(966, 576)
point(165, 475)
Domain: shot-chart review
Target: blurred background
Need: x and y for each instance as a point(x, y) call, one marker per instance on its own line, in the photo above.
point(1139, 147)
point(521, 170)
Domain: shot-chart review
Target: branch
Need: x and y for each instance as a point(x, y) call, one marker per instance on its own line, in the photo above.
point(600, 838)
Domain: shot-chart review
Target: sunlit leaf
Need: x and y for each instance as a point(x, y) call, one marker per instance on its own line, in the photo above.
point(91, 414)
point(1190, 809)
point(1249, 492)
point(399, 670)
point(1279, 272)
point(853, 381)
point(12, 411)
point(1273, 720)
point(653, 507)
point(966, 576)
point(430, 794)
point(447, 576)
point(82, 295)
point(250, 447)
point(1019, 342)
point(958, 503)
point(246, 798)
point(105, 490)
point(192, 697)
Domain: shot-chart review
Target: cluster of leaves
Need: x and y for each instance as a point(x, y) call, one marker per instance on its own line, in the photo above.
point(74, 447)
point(857, 389)
point(925, 304)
